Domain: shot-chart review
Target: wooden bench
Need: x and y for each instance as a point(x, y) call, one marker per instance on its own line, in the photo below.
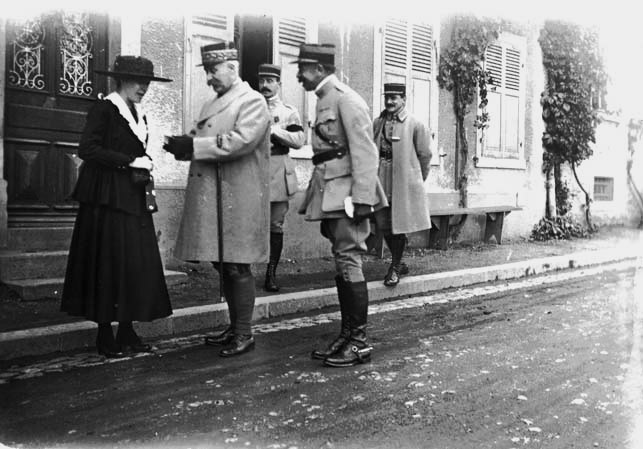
point(441, 226)
point(441, 222)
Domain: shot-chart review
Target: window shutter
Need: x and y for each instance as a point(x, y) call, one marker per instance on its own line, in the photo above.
point(395, 43)
point(421, 48)
point(512, 69)
point(212, 21)
point(493, 64)
point(292, 31)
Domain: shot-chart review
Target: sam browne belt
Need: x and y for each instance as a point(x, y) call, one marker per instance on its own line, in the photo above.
point(325, 156)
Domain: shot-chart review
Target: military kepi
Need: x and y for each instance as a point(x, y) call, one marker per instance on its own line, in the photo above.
point(394, 89)
point(269, 70)
point(217, 53)
point(316, 54)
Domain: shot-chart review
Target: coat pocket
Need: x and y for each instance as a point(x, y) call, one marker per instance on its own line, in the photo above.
point(292, 184)
point(335, 191)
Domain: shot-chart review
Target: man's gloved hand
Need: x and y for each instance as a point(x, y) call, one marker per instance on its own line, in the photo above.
point(180, 146)
point(361, 212)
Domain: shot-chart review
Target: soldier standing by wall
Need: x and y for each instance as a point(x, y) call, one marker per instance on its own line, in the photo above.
point(231, 138)
point(342, 193)
point(286, 132)
point(405, 154)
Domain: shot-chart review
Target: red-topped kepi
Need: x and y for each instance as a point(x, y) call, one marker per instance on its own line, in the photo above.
point(213, 54)
point(395, 89)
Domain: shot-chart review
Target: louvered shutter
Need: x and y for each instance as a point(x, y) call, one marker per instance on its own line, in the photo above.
point(201, 30)
point(408, 58)
point(502, 138)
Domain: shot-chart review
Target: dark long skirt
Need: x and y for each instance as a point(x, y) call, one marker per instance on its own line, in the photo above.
point(114, 269)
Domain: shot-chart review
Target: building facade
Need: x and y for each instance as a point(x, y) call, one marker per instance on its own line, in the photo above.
point(47, 84)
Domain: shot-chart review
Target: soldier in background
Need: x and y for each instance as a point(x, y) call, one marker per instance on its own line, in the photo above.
point(404, 144)
point(286, 132)
point(343, 192)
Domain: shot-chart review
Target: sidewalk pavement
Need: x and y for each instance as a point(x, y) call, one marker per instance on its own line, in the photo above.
point(307, 286)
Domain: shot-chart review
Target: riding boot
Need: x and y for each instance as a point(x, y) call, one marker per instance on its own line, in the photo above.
point(243, 297)
point(127, 339)
point(276, 245)
point(396, 243)
point(105, 343)
point(356, 349)
point(343, 296)
point(225, 337)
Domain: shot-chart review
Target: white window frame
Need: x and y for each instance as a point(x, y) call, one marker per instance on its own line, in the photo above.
point(380, 69)
point(507, 40)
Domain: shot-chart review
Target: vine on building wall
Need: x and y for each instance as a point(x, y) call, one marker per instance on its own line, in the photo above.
point(461, 71)
point(575, 84)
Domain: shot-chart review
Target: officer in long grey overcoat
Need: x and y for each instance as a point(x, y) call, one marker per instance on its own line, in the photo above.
point(343, 192)
point(404, 144)
point(286, 132)
point(233, 131)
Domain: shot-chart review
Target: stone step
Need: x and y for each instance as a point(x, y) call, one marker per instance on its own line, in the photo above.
point(32, 265)
point(35, 289)
point(39, 238)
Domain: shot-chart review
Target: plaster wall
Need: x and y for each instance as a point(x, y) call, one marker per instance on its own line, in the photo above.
point(522, 187)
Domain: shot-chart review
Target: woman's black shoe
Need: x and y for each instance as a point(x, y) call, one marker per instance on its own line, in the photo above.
point(240, 344)
point(127, 339)
point(224, 338)
point(109, 351)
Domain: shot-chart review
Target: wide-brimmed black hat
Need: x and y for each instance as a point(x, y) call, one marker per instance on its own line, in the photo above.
point(316, 54)
point(133, 67)
point(269, 70)
point(394, 89)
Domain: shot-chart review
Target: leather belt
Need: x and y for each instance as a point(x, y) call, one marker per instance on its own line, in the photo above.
point(279, 150)
point(325, 156)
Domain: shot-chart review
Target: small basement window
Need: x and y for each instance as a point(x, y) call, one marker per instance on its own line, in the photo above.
point(603, 189)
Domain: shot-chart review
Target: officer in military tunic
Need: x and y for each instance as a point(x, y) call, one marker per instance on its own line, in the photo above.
point(343, 192)
point(404, 143)
point(286, 132)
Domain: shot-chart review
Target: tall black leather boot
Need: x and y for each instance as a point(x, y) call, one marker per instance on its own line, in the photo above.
point(276, 245)
point(396, 243)
point(225, 337)
point(356, 350)
point(243, 296)
point(343, 294)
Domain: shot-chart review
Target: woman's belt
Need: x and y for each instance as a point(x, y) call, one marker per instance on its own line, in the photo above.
point(279, 150)
point(325, 156)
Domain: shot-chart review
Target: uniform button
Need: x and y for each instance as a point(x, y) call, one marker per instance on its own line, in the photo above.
point(209, 126)
point(198, 174)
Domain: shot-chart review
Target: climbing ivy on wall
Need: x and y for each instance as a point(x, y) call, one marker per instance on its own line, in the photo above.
point(461, 71)
point(575, 81)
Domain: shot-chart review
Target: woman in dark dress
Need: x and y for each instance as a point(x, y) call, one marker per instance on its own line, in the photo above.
point(114, 269)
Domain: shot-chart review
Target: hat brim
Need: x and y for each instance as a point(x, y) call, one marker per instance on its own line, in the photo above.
point(136, 76)
point(306, 61)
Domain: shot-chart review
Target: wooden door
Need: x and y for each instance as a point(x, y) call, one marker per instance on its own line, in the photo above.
point(50, 85)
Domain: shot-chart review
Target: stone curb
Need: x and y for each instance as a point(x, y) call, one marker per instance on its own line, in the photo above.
point(65, 337)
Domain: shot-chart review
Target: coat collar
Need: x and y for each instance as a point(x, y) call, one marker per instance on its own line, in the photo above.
point(326, 85)
point(401, 116)
point(138, 128)
point(219, 103)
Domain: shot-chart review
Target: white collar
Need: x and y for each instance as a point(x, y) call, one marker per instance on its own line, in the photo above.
point(324, 81)
point(138, 128)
